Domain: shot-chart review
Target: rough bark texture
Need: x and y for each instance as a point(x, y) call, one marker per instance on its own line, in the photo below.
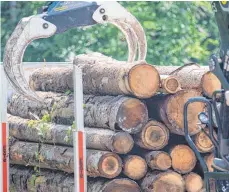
point(183, 159)
point(193, 182)
point(170, 108)
point(120, 112)
point(158, 160)
point(99, 163)
point(25, 179)
point(96, 138)
point(134, 167)
point(154, 136)
point(115, 185)
point(193, 76)
point(168, 181)
point(203, 142)
point(101, 75)
point(169, 84)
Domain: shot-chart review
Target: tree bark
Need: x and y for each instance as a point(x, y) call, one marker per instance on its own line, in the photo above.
point(96, 138)
point(154, 136)
point(193, 76)
point(99, 163)
point(101, 75)
point(169, 84)
point(170, 108)
point(115, 185)
point(158, 160)
point(183, 159)
point(122, 113)
point(193, 182)
point(168, 181)
point(24, 179)
point(134, 167)
point(202, 142)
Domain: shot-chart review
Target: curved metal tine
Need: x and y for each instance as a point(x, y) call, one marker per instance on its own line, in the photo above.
point(219, 124)
point(187, 135)
point(107, 13)
point(27, 30)
point(130, 36)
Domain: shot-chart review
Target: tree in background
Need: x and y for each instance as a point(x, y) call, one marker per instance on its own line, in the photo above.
point(177, 32)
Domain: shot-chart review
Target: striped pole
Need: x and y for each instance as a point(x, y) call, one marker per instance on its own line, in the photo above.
point(4, 165)
point(80, 176)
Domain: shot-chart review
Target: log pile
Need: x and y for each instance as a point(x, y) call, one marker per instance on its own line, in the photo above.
point(133, 117)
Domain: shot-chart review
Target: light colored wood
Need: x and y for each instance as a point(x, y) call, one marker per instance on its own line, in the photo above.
point(209, 161)
point(169, 84)
point(170, 110)
point(154, 136)
point(203, 142)
point(193, 182)
point(134, 167)
point(168, 181)
point(115, 185)
point(158, 160)
point(183, 159)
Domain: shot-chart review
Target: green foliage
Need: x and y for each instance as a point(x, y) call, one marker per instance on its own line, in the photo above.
point(177, 32)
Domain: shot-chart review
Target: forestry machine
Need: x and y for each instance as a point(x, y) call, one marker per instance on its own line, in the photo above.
point(218, 180)
point(58, 17)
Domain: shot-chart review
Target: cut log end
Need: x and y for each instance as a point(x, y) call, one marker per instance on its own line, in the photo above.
point(132, 115)
point(135, 167)
point(154, 136)
point(210, 83)
point(183, 159)
point(175, 109)
point(203, 143)
point(109, 165)
point(144, 80)
point(193, 182)
point(159, 160)
point(169, 181)
point(170, 84)
point(121, 185)
point(122, 143)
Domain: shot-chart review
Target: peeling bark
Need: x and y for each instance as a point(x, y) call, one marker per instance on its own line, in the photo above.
point(120, 112)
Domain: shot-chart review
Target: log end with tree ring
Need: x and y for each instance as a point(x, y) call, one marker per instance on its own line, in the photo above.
point(122, 185)
point(170, 84)
point(193, 182)
point(183, 159)
point(144, 80)
point(110, 165)
point(159, 160)
point(154, 136)
point(168, 181)
point(203, 142)
point(209, 161)
point(175, 111)
point(132, 115)
point(122, 143)
point(210, 83)
point(135, 167)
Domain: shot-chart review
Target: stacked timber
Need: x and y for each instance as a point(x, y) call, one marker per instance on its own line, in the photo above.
point(133, 118)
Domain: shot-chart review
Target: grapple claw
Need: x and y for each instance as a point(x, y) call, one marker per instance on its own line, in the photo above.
point(130, 38)
point(113, 12)
point(27, 30)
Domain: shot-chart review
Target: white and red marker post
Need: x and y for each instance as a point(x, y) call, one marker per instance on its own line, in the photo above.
point(79, 139)
point(4, 147)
